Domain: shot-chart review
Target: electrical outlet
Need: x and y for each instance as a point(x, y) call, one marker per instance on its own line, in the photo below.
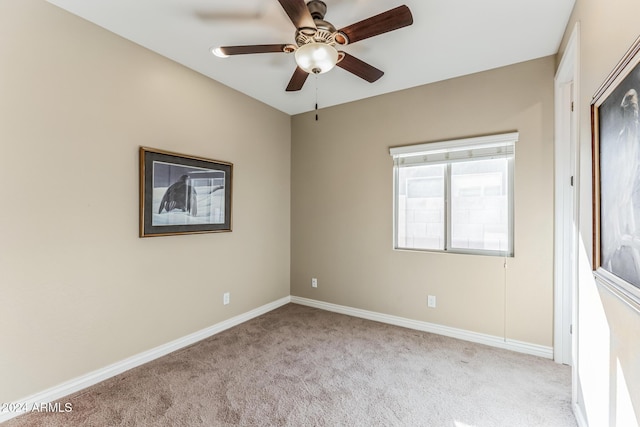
point(314, 282)
point(226, 298)
point(431, 301)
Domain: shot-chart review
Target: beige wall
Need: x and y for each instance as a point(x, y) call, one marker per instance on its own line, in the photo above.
point(78, 289)
point(609, 330)
point(342, 205)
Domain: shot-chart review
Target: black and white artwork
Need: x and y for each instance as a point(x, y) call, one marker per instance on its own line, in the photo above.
point(183, 194)
point(186, 195)
point(620, 181)
point(616, 133)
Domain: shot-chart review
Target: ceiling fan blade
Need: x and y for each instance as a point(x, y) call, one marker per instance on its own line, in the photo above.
point(298, 13)
point(386, 21)
point(256, 48)
point(297, 80)
point(359, 68)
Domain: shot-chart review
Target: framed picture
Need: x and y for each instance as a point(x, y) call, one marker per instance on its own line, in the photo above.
point(616, 177)
point(182, 194)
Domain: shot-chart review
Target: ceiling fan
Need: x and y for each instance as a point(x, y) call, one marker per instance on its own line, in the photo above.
point(317, 41)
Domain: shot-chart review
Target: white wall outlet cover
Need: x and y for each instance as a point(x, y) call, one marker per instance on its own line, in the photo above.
point(431, 301)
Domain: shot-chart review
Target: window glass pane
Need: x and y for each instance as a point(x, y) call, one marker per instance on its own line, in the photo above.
point(420, 207)
point(480, 205)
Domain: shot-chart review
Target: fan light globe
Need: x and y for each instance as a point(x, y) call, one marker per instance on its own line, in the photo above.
point(316, 58)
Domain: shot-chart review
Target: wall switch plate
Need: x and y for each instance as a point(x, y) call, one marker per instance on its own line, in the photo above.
point(226, 298)
point(314, 282)
point(431, 301)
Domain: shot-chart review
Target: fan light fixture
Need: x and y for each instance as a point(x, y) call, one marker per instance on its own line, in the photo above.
point(316, 58)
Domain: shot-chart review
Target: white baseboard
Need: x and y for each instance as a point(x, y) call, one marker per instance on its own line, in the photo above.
point(491, 340)
point(84, 381)
point(580, 418)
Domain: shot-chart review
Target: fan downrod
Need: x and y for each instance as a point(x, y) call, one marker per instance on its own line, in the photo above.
point(317, 8)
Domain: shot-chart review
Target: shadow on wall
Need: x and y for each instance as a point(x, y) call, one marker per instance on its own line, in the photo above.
point(608, 353)
point(624, 362)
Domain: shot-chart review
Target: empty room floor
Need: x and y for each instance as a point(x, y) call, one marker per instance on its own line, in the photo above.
point(301, 366)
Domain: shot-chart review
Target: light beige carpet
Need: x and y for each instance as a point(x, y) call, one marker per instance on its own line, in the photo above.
point(299, 366)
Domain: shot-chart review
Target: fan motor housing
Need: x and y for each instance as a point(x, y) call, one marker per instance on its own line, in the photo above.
point(324, 32)
point(317, 9)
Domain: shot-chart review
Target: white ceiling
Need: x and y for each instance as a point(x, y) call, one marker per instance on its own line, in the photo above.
point(448, 38)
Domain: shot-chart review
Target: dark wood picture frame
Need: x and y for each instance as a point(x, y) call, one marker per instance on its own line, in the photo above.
point(183, 194)
point(615, 132)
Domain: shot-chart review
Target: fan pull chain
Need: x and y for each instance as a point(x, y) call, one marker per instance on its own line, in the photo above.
point(316, 97)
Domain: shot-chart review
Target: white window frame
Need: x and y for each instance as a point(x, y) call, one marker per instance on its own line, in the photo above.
point(448, 152)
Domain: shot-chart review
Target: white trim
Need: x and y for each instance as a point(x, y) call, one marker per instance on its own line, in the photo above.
point(84, 381)
point(491, 340)
point(564, 249)
point(580, 418)
point(567, 158)
point(566, 300)
point(476, 143)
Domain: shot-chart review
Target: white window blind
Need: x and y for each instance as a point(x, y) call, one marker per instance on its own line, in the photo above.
point(494, 146)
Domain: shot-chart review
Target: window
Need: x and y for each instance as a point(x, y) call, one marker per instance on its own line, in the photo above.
point(455, 196)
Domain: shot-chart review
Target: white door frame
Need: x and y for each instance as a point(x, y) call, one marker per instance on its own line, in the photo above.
point(567, 190)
